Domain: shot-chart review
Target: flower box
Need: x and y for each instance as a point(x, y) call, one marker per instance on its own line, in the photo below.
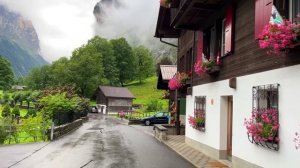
point(215, 69)
point(262, 128)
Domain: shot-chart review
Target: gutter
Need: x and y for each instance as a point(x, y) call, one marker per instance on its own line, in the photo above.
point(167, 43)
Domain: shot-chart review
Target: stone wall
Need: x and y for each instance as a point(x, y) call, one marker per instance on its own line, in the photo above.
point(66, 128)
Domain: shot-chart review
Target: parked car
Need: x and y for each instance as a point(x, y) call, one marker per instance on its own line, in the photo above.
point(159, 118)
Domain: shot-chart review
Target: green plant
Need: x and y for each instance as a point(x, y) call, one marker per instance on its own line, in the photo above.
point(3, 130)
point(31, 113)
point(16, 111)
point(6, 111)
point(35, 127)
point(200, 121)
point(154, 105)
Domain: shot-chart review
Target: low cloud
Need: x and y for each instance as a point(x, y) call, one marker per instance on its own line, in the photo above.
point(62, 25)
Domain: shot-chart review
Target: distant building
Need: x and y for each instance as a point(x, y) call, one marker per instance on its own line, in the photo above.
point(115, 99)
point(18, 87)
point(166, 73)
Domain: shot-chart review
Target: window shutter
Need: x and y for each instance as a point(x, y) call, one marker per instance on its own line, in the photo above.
point(263, 10)
point(229, 30)
point(199, 46)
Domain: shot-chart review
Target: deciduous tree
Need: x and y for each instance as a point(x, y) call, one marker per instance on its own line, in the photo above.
point(145, 66)
point(126, 62)
point(6, 74)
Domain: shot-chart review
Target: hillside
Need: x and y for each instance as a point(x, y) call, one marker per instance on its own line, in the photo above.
point(146, 92)
point(19, 42)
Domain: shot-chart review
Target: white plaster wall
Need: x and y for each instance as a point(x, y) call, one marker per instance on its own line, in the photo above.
point(289, 116)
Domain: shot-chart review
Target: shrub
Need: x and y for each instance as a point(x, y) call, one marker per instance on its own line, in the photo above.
point(154, 105)
point(35, 127)
point(63, 109)
point(5, 122)
point(6, 111)
point(82, 108)
point(16, 111)
point(31, 113)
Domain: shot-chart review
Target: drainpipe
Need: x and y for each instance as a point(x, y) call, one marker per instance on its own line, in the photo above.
point(167, 43)
point(177, 122)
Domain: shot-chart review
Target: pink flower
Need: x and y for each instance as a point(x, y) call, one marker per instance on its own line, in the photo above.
point(174, 84)
point(297, 140)
point(276, 38)
point(259, 123)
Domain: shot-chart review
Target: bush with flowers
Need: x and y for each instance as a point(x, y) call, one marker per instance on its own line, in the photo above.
point(196, 122)
point(278, 37)
point(205, 66)
point(179, 80)
point(122, 114)
point(263, 126)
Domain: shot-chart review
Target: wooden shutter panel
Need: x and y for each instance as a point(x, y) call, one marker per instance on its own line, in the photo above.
point(229, 30)
point(199, 46)
point(263, 10)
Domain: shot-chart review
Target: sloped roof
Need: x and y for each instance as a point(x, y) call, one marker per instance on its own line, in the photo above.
point(120, 92)
point(168, 71)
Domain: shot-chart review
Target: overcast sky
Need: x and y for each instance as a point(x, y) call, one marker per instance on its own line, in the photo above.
point(63, 25)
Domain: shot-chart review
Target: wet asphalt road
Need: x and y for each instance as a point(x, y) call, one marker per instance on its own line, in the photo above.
point(105, 142)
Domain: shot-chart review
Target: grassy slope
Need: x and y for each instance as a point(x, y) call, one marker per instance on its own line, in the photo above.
point(146, 92)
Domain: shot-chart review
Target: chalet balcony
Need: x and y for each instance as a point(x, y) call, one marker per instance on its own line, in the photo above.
point(190, 14)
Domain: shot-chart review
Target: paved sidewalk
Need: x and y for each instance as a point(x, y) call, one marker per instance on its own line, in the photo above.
point(198, 159)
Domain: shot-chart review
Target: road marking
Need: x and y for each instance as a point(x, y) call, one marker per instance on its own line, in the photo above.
point(86, 164)
point(28, 155)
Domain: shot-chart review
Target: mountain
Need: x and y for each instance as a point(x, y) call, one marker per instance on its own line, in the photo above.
point(19, 42)
point(137, 30)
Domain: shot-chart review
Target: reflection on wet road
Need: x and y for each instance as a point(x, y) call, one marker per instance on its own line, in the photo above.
point(105, 142)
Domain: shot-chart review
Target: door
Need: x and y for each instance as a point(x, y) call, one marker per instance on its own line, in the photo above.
point(229, 127)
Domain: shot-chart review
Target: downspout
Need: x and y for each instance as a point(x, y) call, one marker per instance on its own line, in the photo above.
point(167, 43)
point(177, 120)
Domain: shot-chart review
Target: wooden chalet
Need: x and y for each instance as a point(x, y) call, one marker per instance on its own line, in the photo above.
point(248, 79)
point(166, 73)
point(115, 99)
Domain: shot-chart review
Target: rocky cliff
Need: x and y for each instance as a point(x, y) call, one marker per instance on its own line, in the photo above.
point(19, 42)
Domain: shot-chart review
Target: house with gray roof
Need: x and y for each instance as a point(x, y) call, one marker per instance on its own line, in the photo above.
point(165, 74)
point(115, 99)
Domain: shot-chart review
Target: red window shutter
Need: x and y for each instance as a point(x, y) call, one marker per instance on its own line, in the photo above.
point(199, 46)
point(229, 30)
point(263, 10)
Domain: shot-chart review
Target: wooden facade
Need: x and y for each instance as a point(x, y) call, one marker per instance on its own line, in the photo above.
point(229, 29)
point(116, 99)
point(246, 58)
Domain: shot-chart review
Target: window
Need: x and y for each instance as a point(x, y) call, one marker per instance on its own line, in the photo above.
point(199, 112)
point(265, 9)
point(288, 9)
point(295, 8)
point(265, 97)
point(264, 124)
point(159, 115)
point(218, 39)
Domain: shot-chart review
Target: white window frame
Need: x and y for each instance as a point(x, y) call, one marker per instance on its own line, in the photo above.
point(291, 10)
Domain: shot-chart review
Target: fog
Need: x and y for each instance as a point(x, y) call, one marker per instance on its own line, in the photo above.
point(63, 25)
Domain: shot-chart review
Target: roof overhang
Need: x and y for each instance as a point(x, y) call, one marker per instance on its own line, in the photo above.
point(163, 28)
point(192, 14)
